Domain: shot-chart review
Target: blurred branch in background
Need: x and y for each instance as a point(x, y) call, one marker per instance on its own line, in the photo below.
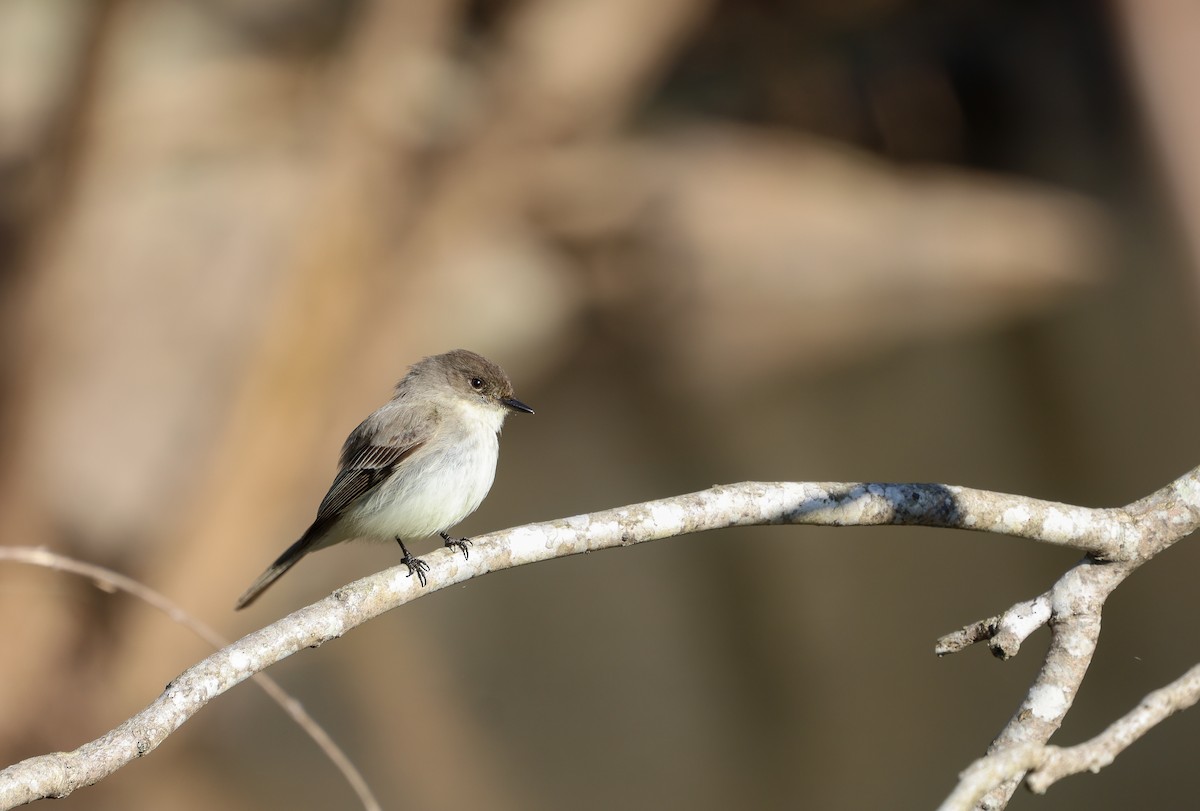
point(110, 581)
point(1159, 38)
point(717, 224)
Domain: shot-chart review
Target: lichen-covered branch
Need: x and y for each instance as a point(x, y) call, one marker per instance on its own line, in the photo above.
point(1100, 751)
point(115, 581)
point(1072, 608)
point(1003, 633)
point(1046, 765)
point(1105, 534)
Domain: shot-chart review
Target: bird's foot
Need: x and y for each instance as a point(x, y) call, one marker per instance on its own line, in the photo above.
point(460, 544)
point(415, 565)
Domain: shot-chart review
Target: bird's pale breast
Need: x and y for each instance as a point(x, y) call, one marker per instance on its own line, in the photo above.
point(435, 488)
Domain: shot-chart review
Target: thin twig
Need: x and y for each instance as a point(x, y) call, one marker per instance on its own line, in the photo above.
point(1004, 633)
point(108, 580)
point(1100, 751)
point(1047, 765)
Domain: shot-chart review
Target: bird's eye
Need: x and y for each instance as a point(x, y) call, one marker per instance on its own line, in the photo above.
point(476, 383)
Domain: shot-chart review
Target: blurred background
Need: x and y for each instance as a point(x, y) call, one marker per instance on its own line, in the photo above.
point(710, 242)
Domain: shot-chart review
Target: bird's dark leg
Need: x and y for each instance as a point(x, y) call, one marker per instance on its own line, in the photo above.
point(457, 543)
point(415, 565)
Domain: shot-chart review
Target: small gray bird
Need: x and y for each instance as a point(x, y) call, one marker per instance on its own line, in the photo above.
point(417, 466)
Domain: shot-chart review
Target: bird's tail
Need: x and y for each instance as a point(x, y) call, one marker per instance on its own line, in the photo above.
point(276, 570)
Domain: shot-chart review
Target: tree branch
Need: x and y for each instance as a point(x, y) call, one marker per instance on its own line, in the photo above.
point(1076, 602)
point(1128, 534)
point(110, 581)
point(1100, 751)
point(1049, 764)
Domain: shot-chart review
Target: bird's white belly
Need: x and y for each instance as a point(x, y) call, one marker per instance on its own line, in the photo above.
point(434, 489)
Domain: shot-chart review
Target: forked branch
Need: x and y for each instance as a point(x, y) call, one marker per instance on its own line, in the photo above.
point(1124, 537)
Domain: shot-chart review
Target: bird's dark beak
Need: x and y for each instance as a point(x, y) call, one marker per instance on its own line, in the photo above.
point(516, 405)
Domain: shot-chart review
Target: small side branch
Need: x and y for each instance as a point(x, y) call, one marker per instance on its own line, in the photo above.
point(1003, 633)
point(1046, 765)
point(1102, 750)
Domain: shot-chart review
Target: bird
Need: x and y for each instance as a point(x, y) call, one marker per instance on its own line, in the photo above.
point(415, 467)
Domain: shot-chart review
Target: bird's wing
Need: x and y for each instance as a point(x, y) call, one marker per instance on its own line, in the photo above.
point(368, 457)
point(365, 463)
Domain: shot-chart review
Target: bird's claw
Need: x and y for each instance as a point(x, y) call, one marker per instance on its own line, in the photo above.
point(460, 544)
point(415, 565)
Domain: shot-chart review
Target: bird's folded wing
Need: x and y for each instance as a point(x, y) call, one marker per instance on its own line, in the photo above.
point(361, 473)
